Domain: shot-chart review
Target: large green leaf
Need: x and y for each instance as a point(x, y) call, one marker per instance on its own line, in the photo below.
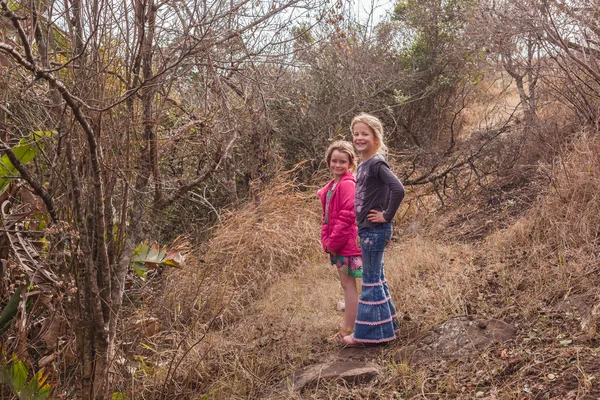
point(36, 389)
point(25, 151)
point(18, 374)
point(15, 374)
point(145, 255)
point(10, 310)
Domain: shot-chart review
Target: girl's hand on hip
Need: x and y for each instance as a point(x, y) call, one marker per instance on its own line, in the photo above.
point(376, 216)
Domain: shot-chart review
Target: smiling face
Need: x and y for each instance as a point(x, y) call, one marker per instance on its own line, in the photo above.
point(339, 164)
point(364, 140)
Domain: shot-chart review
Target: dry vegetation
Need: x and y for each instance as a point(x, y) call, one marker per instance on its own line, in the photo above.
point(491, 115)
point(259, 302)
point(242, 294)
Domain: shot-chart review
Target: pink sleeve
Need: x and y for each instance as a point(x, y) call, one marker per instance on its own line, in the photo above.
point(322, 193)
point(323, 234)
point(346, 218)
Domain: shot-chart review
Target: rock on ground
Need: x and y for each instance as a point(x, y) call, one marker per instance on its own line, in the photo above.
point(458, 337)
point(350, 371)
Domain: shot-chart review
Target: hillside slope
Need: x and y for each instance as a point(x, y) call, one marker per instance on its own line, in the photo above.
point(260, 301)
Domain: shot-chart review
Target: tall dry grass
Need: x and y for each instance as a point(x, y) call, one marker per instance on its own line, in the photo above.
point(223, 320)
point(568, 219)
point(552, 252)
point(252, 248)
point(429, 279)
point(259, 301)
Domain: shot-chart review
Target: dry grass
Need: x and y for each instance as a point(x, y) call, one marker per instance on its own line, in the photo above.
point(567, 218)
point(224, 319)
point(261, 303)
point(497, 99)
point(428, 278)
point(556, 243)
point(253, 248)
point(289, 326)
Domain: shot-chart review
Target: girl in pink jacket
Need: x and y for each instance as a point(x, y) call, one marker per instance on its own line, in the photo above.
point(339, 234)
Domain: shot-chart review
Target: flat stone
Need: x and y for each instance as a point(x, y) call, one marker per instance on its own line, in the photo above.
point(360, 353)
point(459, 337)
point(349, 371)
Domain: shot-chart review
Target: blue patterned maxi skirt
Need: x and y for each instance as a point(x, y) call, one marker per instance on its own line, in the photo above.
point(376, 321)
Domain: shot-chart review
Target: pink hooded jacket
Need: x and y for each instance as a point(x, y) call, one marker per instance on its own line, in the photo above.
point(339, 235)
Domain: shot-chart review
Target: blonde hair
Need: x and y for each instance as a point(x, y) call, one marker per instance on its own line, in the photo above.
point(343, 147)
point(376, 128)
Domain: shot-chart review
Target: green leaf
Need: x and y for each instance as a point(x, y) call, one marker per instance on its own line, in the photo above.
point(40, 379)
point(39, 389)
point(145, 255)
point(140, 269)
point(10, 310)
point(14, 375)
point(154, 254)
point(30, 389)
point(12, 5)
point(18, 372)
point(25, 151)
point(44, 392)
point(144, 345)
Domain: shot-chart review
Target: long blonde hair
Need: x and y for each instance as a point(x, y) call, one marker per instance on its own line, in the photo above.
point(376, 128)
point(343, 147)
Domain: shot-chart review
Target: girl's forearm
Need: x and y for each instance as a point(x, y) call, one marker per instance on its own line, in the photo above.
point(396, 192)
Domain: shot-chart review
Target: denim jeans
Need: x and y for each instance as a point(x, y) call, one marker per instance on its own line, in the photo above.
point(376, 321)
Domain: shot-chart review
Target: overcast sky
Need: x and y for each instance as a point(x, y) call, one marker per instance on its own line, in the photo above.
point(380, 7)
